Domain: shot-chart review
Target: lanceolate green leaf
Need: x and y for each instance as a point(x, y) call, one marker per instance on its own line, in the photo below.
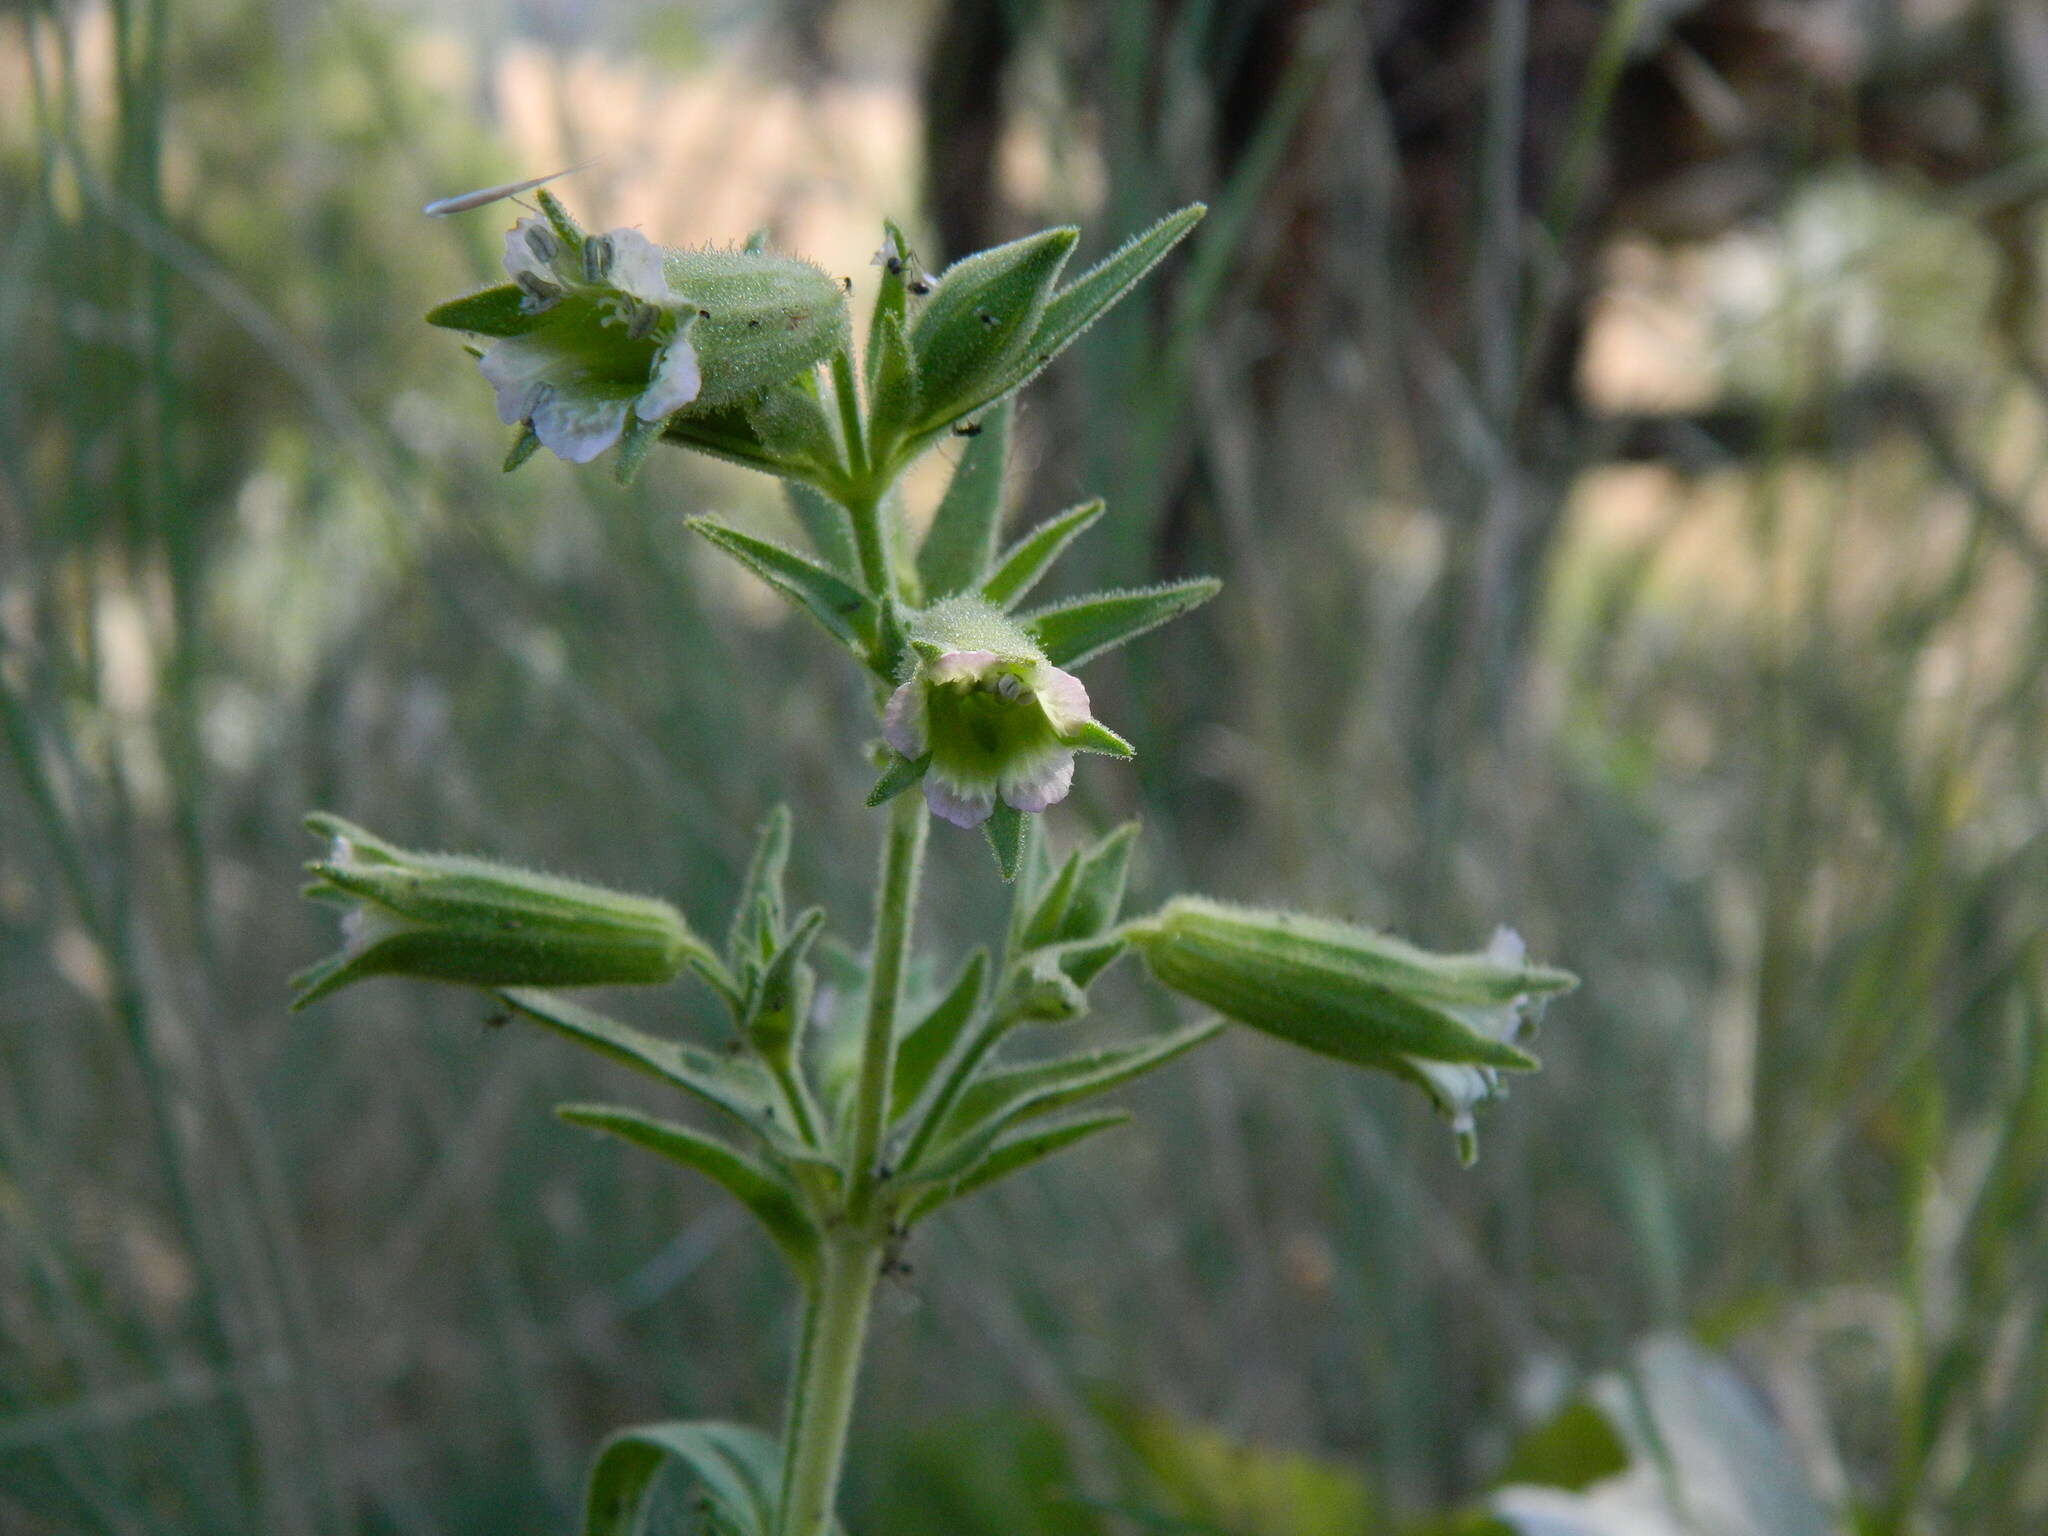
point(931, 1040)
point(493, 312)
point(892, 386)
point(1090, 296)
point(1014, 1152)
point(1077, 631)
point(901, 773)
point(961, 542)
point(739, 1087)
point(762, 882)
point(736, 1472)
point(635, 443)
point(1099, 884)
point(770, 1197)
point(1032, 556)
point(1005, 831)
point(1001, 1098)
point(725, 433)
point(826, 525)
point(847, 614)
point(973, 331)
point(791, 423)
point(1051, 911)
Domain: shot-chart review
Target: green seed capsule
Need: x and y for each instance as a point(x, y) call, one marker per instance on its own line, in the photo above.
point(762, 319)
point(1449, 1023)
point(444, 917)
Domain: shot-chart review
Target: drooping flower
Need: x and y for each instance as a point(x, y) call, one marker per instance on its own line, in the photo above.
point(1457, 1088)
point(612, 342)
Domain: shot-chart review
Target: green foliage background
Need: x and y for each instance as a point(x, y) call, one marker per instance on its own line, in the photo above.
point(1732, 702)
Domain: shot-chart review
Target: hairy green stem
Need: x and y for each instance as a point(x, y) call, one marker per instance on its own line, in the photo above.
point(827, 1373)
point(876, 573)
point(895, 904)
point(836, 1318)
point(848, 393)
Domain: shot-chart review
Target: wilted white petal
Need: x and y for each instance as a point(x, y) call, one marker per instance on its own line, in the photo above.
point(905, 720)
point(636, 267)
point(578, 427)
point(675, 383)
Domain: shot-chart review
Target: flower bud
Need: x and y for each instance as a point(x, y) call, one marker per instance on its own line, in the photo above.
point(1448, 1023)
point(444, 917)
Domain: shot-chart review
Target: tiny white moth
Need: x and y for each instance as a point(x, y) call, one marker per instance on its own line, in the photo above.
point(441, 207)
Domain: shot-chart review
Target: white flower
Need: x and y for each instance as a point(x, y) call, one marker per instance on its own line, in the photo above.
point(994, 726)
point(616, 340)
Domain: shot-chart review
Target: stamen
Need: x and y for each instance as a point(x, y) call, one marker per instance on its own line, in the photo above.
point(540, 293)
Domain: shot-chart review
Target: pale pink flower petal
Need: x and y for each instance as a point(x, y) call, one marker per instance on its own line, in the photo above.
point(960, 666)
point(1064, 698)
point(1040, 784)
point(961, 809)
point(904, 720)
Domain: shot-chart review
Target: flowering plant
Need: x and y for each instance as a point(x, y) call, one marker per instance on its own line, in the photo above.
point(606, 342)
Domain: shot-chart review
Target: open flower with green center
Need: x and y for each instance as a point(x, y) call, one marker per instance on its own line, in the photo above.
point(613, 339)
point(996, 720)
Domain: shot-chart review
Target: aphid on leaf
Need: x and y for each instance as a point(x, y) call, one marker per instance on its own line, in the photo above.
point(967, 429)
point(984, 317)
point(462, 202)
point(498, 1018)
